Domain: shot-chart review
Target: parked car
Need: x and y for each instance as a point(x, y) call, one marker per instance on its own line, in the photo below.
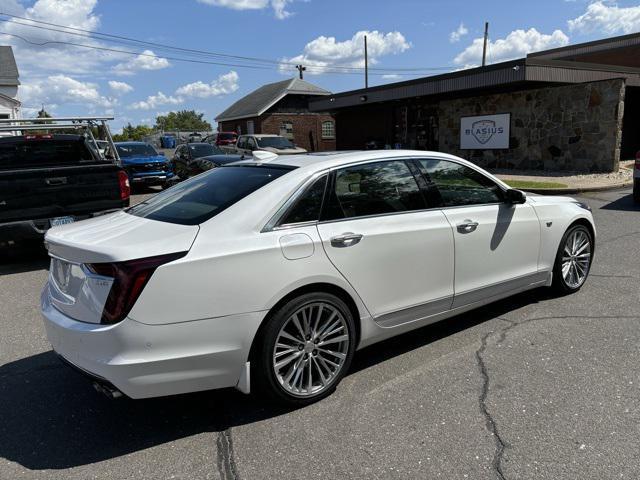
point(636, 179)
point(144, 164)
point(195, 137)
point(269, 273)
point(48, 180)
point(185, 155)
point(222, 138)
point(203, 164)
point(247, 144)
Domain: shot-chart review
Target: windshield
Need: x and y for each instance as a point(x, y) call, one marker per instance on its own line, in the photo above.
point(201, 198)
point(274, 142)
point(217, 151)
point(136, 150)
point(202, 150)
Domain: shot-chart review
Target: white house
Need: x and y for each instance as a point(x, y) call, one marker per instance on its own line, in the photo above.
point(9, 104)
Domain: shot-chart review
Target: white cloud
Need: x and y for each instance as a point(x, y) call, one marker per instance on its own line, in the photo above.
point(120, 88)
point(64, 90)
point(607, 17)
point(517, 44)
point(458, 33)
point(323, 52)
point(145, 61)
point(224, 84)
point(54, 57)
point(391, 76)
point(154, 101)
point(278, 6)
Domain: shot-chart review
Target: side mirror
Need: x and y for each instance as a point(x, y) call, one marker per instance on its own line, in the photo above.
point(515, 196)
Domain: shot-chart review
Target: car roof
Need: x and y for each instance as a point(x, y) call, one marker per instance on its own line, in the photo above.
point(259, 135)
point(318, 161)
point(131, 142)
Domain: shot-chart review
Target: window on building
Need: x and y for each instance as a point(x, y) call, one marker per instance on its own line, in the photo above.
point(286, 130)
point(328, 129)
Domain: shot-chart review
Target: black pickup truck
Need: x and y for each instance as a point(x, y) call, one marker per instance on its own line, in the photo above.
point(49, 180)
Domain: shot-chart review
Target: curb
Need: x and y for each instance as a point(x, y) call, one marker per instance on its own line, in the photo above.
point(569, 190)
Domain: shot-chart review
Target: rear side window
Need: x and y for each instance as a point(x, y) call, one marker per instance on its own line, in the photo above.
point(460, 185)
point(374, 189)
point(307, 207)
point(42, 153)
point(200, 198)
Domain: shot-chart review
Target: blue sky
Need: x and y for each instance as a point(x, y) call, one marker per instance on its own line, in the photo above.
point(326, 35)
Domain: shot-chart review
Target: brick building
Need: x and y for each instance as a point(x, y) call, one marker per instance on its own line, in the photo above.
point(572, 108)
point(282, 108)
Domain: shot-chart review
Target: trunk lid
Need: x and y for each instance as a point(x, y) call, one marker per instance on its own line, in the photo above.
point(80, 293)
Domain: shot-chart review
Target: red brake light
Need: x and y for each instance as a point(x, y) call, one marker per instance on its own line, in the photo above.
point(129, 279)
point(125, 186)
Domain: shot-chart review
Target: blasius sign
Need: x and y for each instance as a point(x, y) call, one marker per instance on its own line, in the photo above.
point(488, 132)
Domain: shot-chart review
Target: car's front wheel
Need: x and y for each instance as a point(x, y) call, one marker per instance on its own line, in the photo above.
point(305, 349)
point(573, 260)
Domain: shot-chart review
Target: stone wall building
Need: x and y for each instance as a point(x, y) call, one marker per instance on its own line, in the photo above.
point(575, 108)
point(282, 108)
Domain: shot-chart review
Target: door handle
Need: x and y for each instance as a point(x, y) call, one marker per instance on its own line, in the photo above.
point(467, 226)
point(346, 240)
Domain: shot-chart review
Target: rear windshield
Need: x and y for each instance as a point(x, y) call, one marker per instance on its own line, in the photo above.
point(202, 150)
point(43, 153)
point(227, 136)
point(274, 142)
point(136, 150)
point(200, 198)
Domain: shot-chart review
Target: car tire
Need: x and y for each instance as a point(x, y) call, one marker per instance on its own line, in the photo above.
point(284, 375)
point(573, 260)
point(636, 191)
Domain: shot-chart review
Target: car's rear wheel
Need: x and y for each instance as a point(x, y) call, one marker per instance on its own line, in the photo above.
point(573, 260)
point(305, 349)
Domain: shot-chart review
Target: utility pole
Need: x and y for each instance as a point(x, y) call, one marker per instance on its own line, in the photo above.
point(366, 64)
point(484, 47)
point(301, 69)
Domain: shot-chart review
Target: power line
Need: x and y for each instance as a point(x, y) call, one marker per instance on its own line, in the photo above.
point(127, 40)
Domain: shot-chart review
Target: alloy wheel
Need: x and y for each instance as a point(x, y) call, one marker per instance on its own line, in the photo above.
point(576, 258)
point(311, 349)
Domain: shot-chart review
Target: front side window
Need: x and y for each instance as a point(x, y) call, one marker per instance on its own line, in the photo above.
point(460, 185)
point(286, 130)
point(251, 144)
point(328, 130)
point(307, 207)
point(200, 198)
point(374, 189)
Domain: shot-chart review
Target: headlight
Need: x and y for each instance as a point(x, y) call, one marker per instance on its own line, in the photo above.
point(583, 205)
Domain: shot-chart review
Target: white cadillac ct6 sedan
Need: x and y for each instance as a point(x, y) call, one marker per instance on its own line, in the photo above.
point(269, 273)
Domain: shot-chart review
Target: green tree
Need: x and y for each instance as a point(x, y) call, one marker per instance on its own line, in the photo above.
point(184, 120)
point(137, 133)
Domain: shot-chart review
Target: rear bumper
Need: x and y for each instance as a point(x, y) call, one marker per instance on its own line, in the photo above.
point(145, 361)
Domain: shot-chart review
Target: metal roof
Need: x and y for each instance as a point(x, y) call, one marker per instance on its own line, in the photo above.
point(8, 68)
point(260, 100)
point(617, 57)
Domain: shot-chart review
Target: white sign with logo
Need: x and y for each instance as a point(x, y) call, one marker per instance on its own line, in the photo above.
point(488, 132)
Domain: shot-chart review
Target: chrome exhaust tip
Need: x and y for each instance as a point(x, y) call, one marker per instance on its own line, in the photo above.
point(107, 390)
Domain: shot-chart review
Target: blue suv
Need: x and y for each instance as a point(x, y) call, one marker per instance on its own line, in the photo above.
point(144, 164)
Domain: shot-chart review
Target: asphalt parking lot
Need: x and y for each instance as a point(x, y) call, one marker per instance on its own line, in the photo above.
point(535, 386)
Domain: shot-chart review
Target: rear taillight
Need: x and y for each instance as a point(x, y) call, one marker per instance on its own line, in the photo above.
point(129, 279)
point(125, 186)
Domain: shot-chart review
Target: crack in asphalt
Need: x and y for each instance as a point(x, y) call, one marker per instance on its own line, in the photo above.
point(226, 461)
point(490, 422)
